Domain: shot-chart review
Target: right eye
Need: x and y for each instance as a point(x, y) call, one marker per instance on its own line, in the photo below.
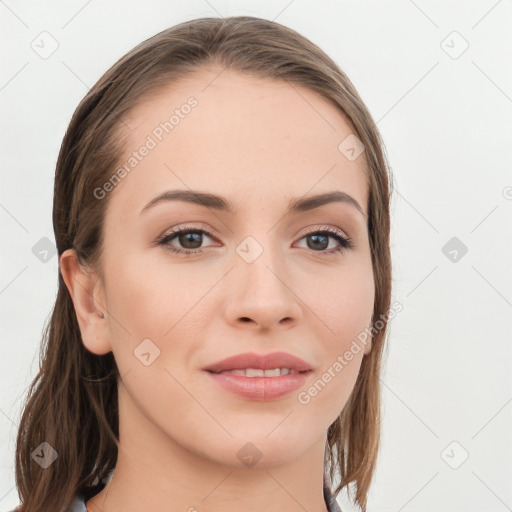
point(190, 238)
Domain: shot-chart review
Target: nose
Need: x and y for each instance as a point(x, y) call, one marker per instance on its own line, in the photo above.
point(261, 294)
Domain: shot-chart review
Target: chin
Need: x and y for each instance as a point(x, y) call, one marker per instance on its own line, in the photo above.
point(262, 449)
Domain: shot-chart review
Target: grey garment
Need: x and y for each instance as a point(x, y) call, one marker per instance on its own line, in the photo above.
point(330, 499)
point(78, 503)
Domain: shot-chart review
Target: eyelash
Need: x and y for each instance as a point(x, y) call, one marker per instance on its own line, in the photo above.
point(344, 241)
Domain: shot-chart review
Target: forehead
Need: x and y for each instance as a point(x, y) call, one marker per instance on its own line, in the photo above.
point(255, 139)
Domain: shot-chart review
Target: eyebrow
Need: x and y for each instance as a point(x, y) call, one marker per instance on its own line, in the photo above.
point(220, 203)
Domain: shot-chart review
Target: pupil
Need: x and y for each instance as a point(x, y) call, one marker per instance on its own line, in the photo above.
point(315, 239)
point(193, 238)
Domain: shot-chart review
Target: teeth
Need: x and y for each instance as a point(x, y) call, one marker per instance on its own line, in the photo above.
point(252, 372)
point(236, 372)
point(258, 372)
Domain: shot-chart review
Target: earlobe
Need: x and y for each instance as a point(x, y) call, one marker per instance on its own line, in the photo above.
point(87, 293)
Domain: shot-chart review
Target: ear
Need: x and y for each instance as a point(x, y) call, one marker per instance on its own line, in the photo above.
point(87, 293)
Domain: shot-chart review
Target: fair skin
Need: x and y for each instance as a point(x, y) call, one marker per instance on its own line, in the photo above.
point(259, 144)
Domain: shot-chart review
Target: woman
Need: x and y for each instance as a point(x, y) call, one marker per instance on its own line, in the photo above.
point(221, 214)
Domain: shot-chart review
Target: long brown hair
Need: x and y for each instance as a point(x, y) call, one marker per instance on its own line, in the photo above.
point(72, 403)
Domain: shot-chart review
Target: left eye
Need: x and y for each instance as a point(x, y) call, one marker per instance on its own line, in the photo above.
point(191, 240)
point(320, 240)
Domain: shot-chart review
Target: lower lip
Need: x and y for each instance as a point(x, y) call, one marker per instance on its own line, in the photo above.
point(260, 389)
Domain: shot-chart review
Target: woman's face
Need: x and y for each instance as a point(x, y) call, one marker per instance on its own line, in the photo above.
point(256, 278)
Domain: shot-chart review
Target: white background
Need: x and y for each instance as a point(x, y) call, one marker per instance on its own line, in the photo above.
point(447, 127)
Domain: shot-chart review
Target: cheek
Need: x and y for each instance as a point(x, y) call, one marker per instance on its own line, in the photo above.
point(155, 301)
point(145, 292)
point(344, 306)
point(149, 309)
point(344, 303)
point(137, 300)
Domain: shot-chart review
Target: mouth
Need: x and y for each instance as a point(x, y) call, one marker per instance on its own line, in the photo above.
point(252, 364)
point(252, 383)
point(260, 372)
point(252, 376)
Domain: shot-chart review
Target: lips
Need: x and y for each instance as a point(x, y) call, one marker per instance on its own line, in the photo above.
point(258, 372)
point(251, 360)
point(260, 377)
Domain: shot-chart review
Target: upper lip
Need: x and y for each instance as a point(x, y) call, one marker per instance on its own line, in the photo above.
point(264, 362)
